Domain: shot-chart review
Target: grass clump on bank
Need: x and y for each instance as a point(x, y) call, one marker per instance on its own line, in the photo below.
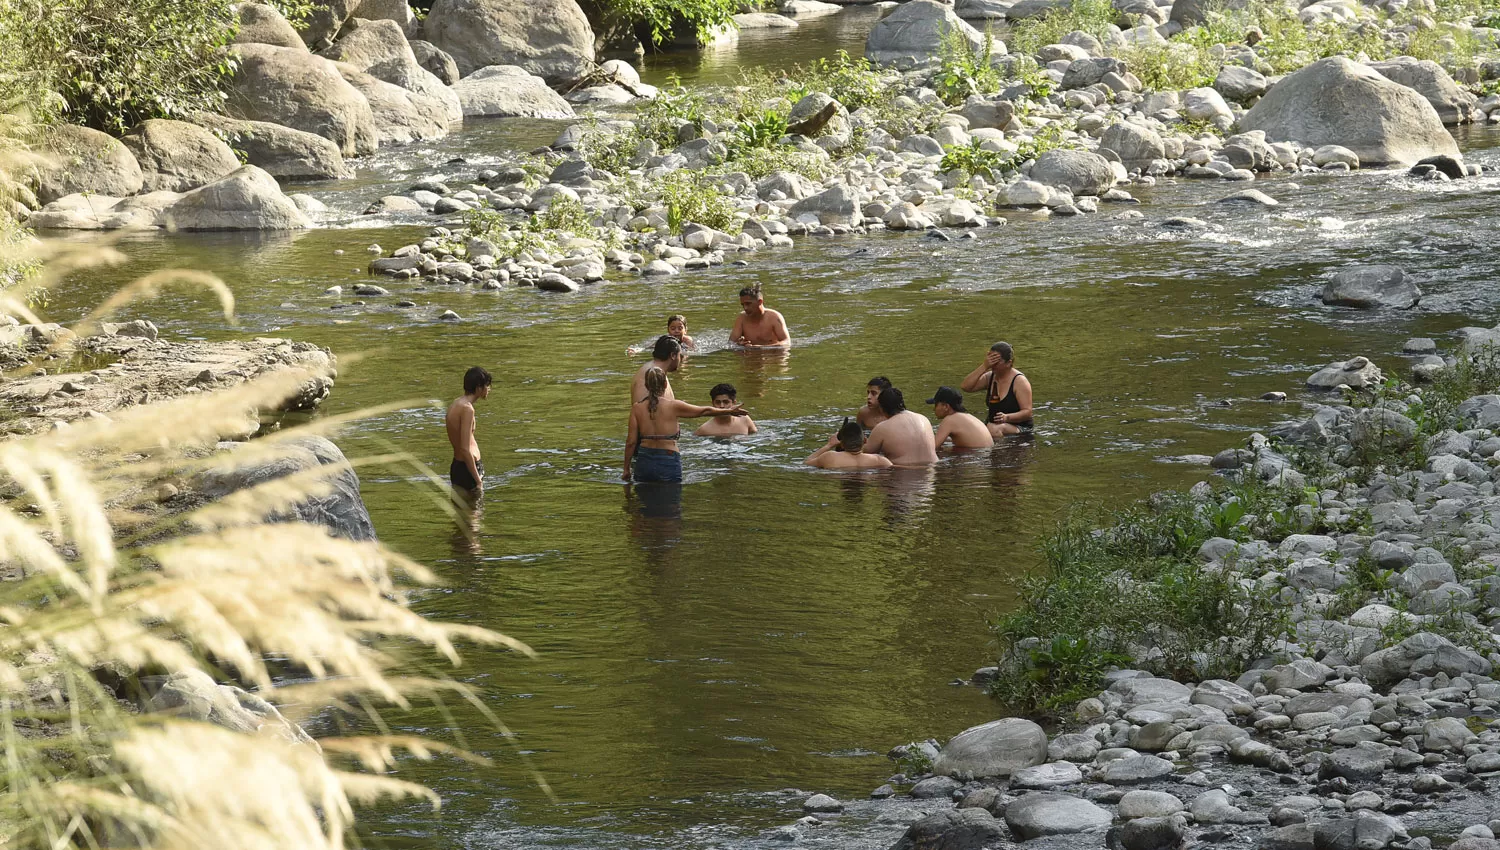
point(1131, 591)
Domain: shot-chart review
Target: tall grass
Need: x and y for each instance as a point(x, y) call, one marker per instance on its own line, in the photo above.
point(101, 588)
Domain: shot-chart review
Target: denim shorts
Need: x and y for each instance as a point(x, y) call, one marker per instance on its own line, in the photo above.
point(657, 465)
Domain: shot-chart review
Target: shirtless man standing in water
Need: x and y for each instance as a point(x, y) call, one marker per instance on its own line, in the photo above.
point(905, 436)
point(758, 327)
point(467, 470)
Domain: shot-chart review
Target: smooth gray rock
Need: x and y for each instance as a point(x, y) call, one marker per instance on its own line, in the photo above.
point(379, 48)
point(264, 24)
point(1135, 769)
point(1357, 372)
point(247, 199)
point(1425, 654)
point(436, 61)
point(1371, 286)
point(1136, 146)
point(952, 829)
point(549, 38)
point(914, 33)
point(1336, 101)
point(1377, 428)
point(1148, 804)
point(1427, 78)
point(998, 748)
point(81, 160)
point(1361, 763)
point(176, 156)
point(1239, 84)
point(284, 153)
point(1047, 813)
point(341, 510)
point(1043, 777)
point(296, 89)
point(1149, 689)
point(1167, 833)
point(509, 91)
point(1446, 734)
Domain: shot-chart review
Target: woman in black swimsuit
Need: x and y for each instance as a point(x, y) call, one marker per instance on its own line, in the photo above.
point(1007, 391)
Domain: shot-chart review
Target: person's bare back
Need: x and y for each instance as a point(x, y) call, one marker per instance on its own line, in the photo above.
point(466, 472)
point(965, 430)
point(906, 437)
point(845, 450)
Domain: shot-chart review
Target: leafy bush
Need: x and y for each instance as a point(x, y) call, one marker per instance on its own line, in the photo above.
point(1171, 67)
point(118, 62)
point(973, 160)
point(664, 19)
point(963, 71)
point(1130, 590)
point(762, 132)
point(1094, 17)
point(692, 197)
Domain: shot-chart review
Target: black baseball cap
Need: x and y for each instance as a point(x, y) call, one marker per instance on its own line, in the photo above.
point(949, 396)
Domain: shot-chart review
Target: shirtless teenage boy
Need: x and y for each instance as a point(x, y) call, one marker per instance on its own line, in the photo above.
point(467, 470)
point(905, 436)
point(956, 424)
point(758, 327)
point(850, 438)
point(871, 415)
point(666, 356)
point(723, 397)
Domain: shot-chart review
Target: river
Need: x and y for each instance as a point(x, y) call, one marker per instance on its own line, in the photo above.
point(768, 626)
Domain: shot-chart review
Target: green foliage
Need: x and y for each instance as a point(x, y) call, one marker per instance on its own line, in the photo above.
point(963, 71)
point(762, 132)
point(673, 106)
point(1046, 139)
point(1173, 66)
point(295, 11)
point(668, 18)
point(758, 162)
point(973, 160)
point(691, 197)
point(118, 62)
point(1091, 16)
point(854, 82)
point(1132, 591)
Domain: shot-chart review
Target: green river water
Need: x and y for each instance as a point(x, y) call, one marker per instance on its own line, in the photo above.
point(769, 626)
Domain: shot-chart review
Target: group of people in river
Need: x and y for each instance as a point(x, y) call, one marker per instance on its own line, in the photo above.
point(882, 433)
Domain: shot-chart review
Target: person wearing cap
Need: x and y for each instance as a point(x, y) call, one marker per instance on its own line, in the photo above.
point(845, 450)
point(956, 424)
point(905, 436)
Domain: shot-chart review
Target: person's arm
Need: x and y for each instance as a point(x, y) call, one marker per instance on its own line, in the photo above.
point(632, 439)
point(692, 411)
point(979, 378)
point(751, 422)
point(875, 441)
point(687, 343)
point(465, 440)
point(737, 332)
point(944, 432)
point(1023, 398)
point(816, 458)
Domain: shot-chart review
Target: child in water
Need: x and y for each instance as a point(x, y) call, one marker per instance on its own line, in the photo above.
point(677, 329)
point(725, 425)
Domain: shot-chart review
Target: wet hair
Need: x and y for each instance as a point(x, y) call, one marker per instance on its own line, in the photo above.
point(851, 436)
point(722, 389)
point(666, 348)
point(881, 381)
point(676, 317)
point(656, 386)
point(891, 401)
point(475, 378)
point(1004, 350)
point(752, 291)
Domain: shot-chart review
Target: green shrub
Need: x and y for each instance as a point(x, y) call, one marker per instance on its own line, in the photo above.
point(1171, 67)
point(758, 162)
point(762, 132)
point(963, 71)
point(1130, 590)
point(1091, 16)
point(118, 62)
point(667, 18)
point(692, 197)
point(973, 160)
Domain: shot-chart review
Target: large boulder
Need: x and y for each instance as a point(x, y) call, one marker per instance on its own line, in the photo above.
point(998, 748)
point(1051, 813)
point(952, 829)
point(439, 63)
point(401, 116)
point(77, 159)
point(1371, 286)
point(341, 510)
point(284, 153)
point(81, 211)
point(1425, 654)
point(248, 199)
point(176, 156)
point(549, 38)
point(325, 20)
point(1338, 102)
point(1427, 78)
point(1136, 146)
point(193, 695)
point(379, 48)
point(1083, 172)
point(302, 91)
point(838, 204)
point(508, 91)
point(914, 33)
point(264, 24)
point(398, 12)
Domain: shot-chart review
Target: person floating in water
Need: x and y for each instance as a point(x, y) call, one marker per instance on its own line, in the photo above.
point(467, 469)
point(676, 329)
point(956, 424)
point(758, 327)
point(845, 450)
point(905, 436)
point(666, 355)
point(724, 398)
point(1009, 410)
point(871, 415)
point(651, 443)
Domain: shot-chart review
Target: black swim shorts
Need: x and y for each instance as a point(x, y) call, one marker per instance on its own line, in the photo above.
point(458, 473)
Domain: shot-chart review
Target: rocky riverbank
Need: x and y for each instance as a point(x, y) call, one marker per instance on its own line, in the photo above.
point(1363, 713)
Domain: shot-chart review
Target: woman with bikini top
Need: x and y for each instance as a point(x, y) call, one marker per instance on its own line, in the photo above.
point(650, 420)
